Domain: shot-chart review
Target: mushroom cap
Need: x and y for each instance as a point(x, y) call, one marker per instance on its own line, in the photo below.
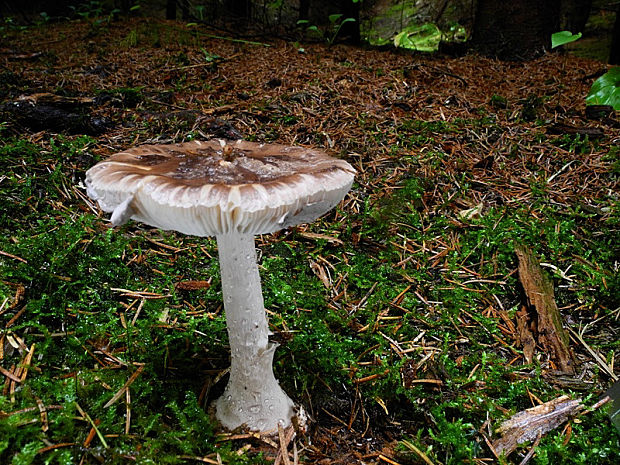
point(211, 188)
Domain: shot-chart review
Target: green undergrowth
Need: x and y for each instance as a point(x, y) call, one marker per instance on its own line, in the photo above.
point(579, 250)
point(407, 294)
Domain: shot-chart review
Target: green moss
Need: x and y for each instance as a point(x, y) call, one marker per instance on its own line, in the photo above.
point(402, 273)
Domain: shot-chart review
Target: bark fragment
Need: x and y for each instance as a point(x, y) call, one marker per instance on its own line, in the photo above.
point(526, 338)
point(534, 422)
point(541, 303)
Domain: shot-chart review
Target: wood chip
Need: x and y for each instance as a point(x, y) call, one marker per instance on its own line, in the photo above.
point(43, 411)
point(192, 285)
point(325, 237)
point(526, 338)
point(320, 272)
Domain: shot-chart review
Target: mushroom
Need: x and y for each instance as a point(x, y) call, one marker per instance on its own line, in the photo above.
point(232, 191)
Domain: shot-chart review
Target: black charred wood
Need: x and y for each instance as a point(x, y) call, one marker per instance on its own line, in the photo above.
point(41, 117)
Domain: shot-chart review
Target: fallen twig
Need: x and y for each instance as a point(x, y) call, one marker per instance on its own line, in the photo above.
point(15, 257)
point(596, 356)
point(122, 390)
point(93, 425)
point(421, 454)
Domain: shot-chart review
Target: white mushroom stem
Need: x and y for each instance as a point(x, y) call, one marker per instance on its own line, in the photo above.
point(253, 398)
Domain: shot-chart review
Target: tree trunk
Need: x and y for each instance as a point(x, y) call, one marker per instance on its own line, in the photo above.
point(351, 30)
point(574, 15)
point(239, 8)
point(171, 9)
point(614, 54)
point(125, 6)
point(304, 9)
point(515, 30)
point(185, 10)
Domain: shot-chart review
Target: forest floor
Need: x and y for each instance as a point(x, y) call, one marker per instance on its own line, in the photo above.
point(405, 317)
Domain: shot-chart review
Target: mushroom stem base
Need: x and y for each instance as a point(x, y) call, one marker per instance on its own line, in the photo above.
point(253, 399)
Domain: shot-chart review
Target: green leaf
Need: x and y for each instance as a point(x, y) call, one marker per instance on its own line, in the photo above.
point(335, 17)
point(606, 90)
point(425, 38)
point(563, 37)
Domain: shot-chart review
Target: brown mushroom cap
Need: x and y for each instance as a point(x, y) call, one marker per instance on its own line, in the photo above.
point(208, 188)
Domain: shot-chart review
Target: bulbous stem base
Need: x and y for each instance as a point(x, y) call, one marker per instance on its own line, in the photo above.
point(253, 399)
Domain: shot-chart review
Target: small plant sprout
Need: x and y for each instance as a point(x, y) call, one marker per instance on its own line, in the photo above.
point(563, 37)
point(336, 22)
point(232, 191)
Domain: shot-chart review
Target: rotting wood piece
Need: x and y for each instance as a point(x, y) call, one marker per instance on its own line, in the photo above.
point(563, 128)
point(599, 111)
point(541, 300)
point(58, 101)
point(47, 117)
point(533, 423)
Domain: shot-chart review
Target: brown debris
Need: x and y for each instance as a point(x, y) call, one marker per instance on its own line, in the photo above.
point(541, 301)
point(284, 440)
point(43, 450)
point(526, 338)
point(15, 257)
point(9, 375)
point(192, 285)
point(599, 111)
point(43, 412)
point(26, 363)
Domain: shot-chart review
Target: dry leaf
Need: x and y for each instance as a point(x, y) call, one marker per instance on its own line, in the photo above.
point(471, 213)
